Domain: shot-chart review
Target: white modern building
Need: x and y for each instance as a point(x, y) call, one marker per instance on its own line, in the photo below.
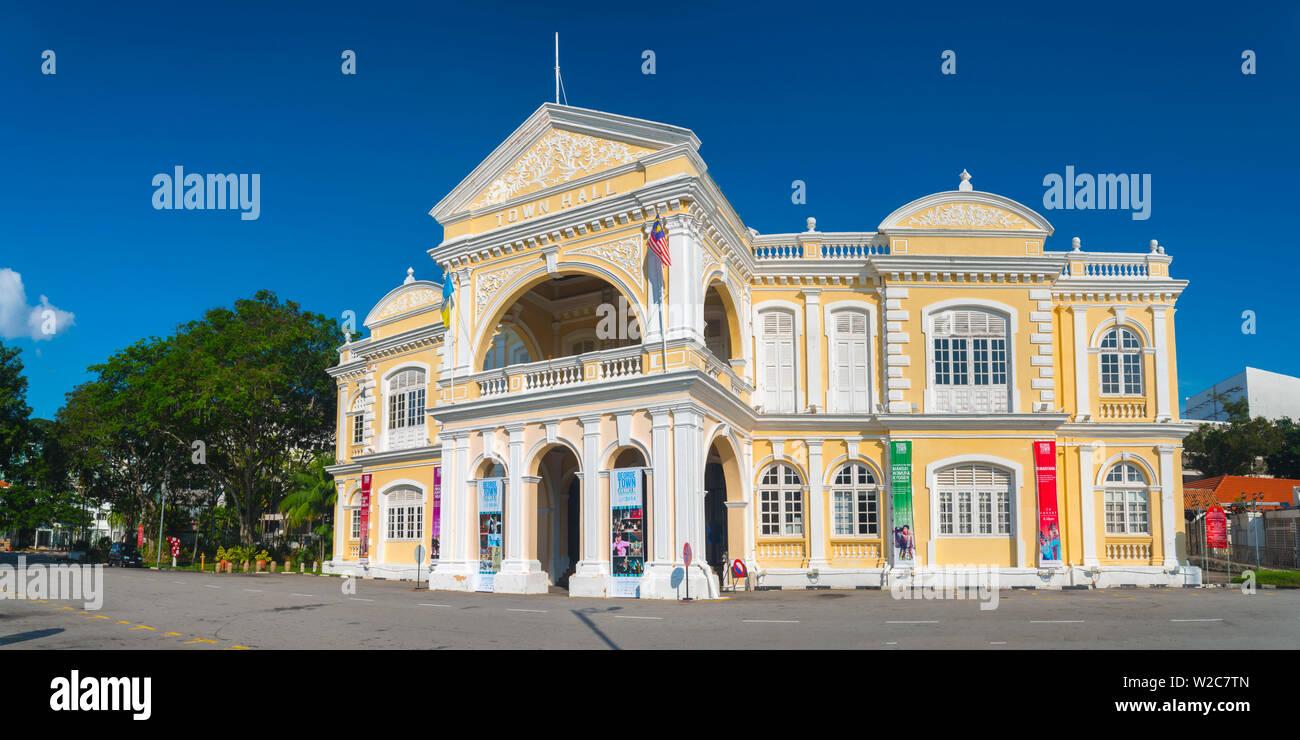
point(1270, 395)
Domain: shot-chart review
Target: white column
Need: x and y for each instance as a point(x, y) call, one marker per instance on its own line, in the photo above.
point(1161, 341)
point(661, 422)
point(812, 312)
point(466, 509)
point(342, 520)
point(817, 517)
point(1087, 497)
point(1167, 483)
point(591, 551)
point(462, 320)
point(685, 309)
point(751, 509)
point(515, 499)
point(1082, 389)
point(688, 480)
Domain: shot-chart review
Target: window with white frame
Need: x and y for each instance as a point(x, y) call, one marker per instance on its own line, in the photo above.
point(358, 429)
point(507, 348)
point(405, 515)
point(974, 500)
point(776, 344)
point(1127, 506)
point(855, 502)
point(780, 499)
point(849, 361)
point(356, 524)
point(970, 362)
point(406, 421)
point(1121, 363)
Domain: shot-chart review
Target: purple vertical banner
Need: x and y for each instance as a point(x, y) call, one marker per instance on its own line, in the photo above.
point(436, 526)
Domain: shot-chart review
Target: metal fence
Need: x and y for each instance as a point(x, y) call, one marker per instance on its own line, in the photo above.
point(1278, 548)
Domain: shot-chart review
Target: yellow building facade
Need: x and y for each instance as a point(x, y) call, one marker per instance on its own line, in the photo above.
point(756, 391)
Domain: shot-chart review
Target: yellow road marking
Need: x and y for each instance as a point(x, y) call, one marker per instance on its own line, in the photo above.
point(122, 621)
point(237, 647)
point(199, 639)
point(83, 612)
point(97, 616)
point(172, 634)
point(143, 627)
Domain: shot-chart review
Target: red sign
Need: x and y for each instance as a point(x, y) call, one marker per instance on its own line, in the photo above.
point(686, 554)
point(139, 537)
point(1049, 524)
point(176, 545)
point(738, 568)
point(1216, 527)
point(365, 516)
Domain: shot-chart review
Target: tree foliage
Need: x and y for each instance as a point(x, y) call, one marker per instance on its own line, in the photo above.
point(1234, 448)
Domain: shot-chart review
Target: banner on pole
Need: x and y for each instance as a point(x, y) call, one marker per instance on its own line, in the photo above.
point(627, 531)
point(1216, 527)
point(435, 526)
point(489, 533)
point(900, 476)
point(364, 552)
point(1049, 523)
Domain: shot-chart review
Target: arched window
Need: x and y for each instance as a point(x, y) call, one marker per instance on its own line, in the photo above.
point(406, 409)
point(776, 352)
point(405, 514)
point(507, 349)
point(974, 500)
point(780, 499)
point(357, 414)
point(970, 362)
point(1121, 363)
point(1127, 507)
point(849, 366)
point(855, 501)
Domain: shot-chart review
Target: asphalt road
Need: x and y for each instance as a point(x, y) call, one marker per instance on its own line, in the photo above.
point(146, 609)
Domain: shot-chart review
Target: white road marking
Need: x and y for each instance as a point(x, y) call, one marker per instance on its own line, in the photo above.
point(627, 616)
point(535, 611)
point(296, 594)
point(354, 598)
point(209, 585)
point(891, 643)
point(1196, 620)
point(445, 606)
point(254, 590)
point(1056, 621)
point(997, 643)
point(772, 621)
point(913, 621)
point(180, 582)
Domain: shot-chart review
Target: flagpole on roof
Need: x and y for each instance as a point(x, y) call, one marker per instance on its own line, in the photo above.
point(557, 67)
point(663, 306)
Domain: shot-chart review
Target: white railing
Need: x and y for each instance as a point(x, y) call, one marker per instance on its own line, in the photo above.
point(726, 374)
point(843, 246)
point(621, 365)
point(780, 550)
point(560, 372)
point(867, 550)
point(1110, 265)
point(1123, 410)
point(1128, 551)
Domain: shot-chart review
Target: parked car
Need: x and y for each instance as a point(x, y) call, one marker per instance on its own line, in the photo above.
point(124, 554)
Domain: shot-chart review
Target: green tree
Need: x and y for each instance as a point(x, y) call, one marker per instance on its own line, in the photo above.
point(311, 499)
point(1284, 460)
point(14, 411)
point(1231, 449)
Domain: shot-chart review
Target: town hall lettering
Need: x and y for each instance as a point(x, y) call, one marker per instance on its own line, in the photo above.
point(566, 200)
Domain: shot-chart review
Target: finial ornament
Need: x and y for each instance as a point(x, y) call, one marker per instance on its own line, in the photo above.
point(410, 276)
point(965, 181)
point(812, 224)
point(1155, 246)
point(1075, 244)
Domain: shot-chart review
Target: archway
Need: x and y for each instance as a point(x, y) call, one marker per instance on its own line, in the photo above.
point(559, 514)
point(723, 526)
point(721, 324)
point(557, 316)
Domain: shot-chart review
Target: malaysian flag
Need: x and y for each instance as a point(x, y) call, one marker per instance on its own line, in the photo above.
point(659, 240)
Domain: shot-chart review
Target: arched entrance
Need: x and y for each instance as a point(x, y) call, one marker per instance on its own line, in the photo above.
point(559, 514)
point(723, 525)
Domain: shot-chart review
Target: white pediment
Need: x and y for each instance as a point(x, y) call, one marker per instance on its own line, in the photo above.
point(966, 211)
point(558, 144)
point(406, 299)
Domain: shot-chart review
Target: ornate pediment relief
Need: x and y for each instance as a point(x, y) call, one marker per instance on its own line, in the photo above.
point(558, 157)
point(405, 302)
point(965, 216)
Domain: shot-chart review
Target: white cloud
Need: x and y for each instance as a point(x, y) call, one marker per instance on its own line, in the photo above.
point(19, 320)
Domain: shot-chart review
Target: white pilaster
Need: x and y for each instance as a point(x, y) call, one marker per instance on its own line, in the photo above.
point(1167, 484)
point(817, 518)
point(1160, 339)
point(1082, 389)
point(1088, 502)
point(661, 422)
point(813, 351)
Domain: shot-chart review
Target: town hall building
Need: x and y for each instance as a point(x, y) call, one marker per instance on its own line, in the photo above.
point(830, 409)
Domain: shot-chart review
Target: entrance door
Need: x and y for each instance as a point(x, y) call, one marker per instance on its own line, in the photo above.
point(715, 519)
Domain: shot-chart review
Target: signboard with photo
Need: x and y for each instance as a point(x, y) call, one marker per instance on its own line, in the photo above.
point(489, 532)
point(627, 531)
point(364, 551)
point(1049, 524)
point(900, 476)
point(435, 525)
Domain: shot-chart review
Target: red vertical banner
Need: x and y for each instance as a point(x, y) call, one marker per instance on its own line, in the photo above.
point(1049, 523)
point(436, 524)
point(364, 553)
point(139, 537)
point(1216, 527)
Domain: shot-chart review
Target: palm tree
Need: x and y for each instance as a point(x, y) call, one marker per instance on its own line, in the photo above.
point(311, 498)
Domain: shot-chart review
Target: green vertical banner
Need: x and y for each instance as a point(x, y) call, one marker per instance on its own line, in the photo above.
point(900, 477)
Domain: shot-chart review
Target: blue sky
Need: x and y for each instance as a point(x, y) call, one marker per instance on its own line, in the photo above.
point(849, 100)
